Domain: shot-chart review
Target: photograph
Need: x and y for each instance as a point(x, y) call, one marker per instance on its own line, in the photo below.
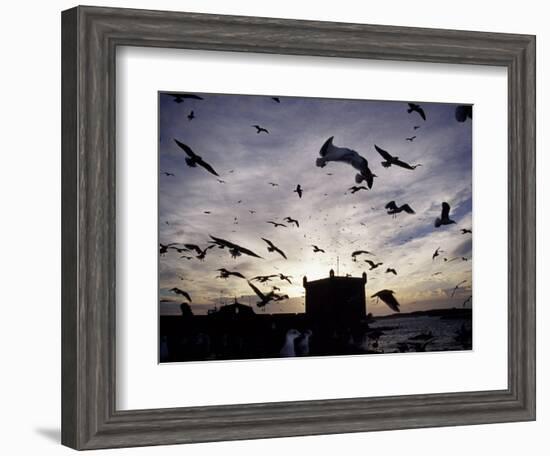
point(294, 226)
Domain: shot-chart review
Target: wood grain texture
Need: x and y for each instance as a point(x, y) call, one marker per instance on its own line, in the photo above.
point(89, 39)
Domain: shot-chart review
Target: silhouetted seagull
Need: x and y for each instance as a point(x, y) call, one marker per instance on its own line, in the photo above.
point(276, 99)
point(416, 108)
point(164, 247)
point(167, 174)
point(191, 115)
point(299, 190)
point(465, 231)
point(437, 273)
point(373, 265)
point(388, 298)
point(180, 97)
point(329, 152)
point(436, 253)
point(393, 271)
point(234, 249)
point(356, 253)
point(291, 220)
point(469, 299)
point(260, 129)
point(444, 219)
point(457, 287)
point(463, 112)
point(302, 343)
point(355, 189)
point(273, 184)
point(287, 350)
point(391, 160)
point(193, 159)
point(317, 249)
point(180, 292)
point(264, 298)
point(416, 127)
point(393, 209)
point(224, 274)
point(285, 277)
point(263, 278)
point(273, 248)
point(411, 139)
point(275, 224)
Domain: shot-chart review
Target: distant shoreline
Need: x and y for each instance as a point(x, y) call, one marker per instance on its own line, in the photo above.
point(452, 312)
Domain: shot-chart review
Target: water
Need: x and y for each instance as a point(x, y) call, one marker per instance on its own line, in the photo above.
point(448, 333)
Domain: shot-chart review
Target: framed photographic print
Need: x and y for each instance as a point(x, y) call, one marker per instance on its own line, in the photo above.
point(279, 221)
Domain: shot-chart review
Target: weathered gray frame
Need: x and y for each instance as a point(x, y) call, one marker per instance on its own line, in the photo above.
point(90, 36)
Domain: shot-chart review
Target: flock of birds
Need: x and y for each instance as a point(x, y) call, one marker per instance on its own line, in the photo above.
point(328, 153)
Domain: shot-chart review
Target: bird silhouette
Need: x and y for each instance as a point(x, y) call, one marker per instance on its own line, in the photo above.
point(275, 224)
point(391, 160)
point(224, 274)
point(329, 152)
point(387, 296)
point(164, 247)
point(285, 277)
point(181, 97)
point(317, 249)
point(465, 231)
point(276, 99)
point(436, 253)
point(234, 249)
point(469, 299)
point(356, 253)
point(291, 220)
point(180, 292)
point(260, 129)
point(355, 189)
point(444, 219)
point(273, 248)
point(416, 127)
point(298, 190)
point(264, 298)
point(457, 287)
point(263, 278)
point(191, 115)
point(193, 159)
point(416, 108)
point(373, 265)
point(167, 174)
point(410, 139)
point(392, 270)
point(463, 112)
point(393, 209)
point(273, 184)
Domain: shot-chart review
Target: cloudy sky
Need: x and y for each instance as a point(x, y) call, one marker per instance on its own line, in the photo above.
point(329, 215)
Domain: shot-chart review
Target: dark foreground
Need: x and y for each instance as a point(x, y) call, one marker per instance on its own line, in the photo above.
point(236, 332)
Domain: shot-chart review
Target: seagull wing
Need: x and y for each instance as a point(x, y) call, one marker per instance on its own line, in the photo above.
point(402, 164)
point(187, 149)
point(391, 206)
point(207, 167)
point(385, 155)
point(327, 147)
point(257, 291)
point(420, 111)
point(388, 298)
point(268, 242)
point(186, 295)
point(277, 249)
point(408, 209)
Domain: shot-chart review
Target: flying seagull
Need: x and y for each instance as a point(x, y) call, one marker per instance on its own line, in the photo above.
point(416, 108)
point(436, 253)
point(193, 159)
point(465, 231)
point(263, 278)
point(469, 299)
point(444, 219)
point(285, 277)
point(393, 209)
point(273, 248)
point(317, 249)
point(330, 152)
point(393, 271)
point(457, 287)
point(291, 220)
point(224, 273)
point(299, 190)
point(264, 298)
point(191, 115)
point(179, 291)
point(201, 253)
point(355, 254)
point(234, 249)
point(167, 174)
point(260, 129)
point(388, 298)
point(411, 139)
point(355, 189)
point(391, 160)
point(463, 112)
point(276, 99)
point(181, 97)
point(273, 184)
point(373, 265)
point(275, 224)
point(416, 127)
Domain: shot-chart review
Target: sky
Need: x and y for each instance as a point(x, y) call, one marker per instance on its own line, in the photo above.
point(330, 216)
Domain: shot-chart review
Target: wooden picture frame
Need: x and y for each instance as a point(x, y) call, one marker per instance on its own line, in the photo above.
point(90, 36)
